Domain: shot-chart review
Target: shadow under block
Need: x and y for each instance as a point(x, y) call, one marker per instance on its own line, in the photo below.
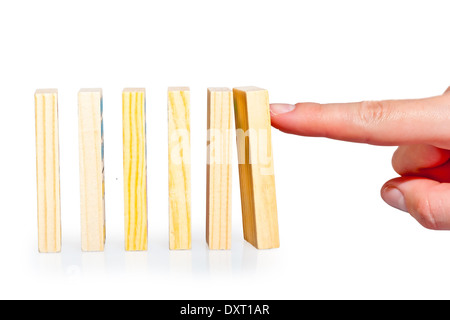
point(92, 185)
point(257, 181)
point(134, 169)
point(218, 173)
point(47, 170)
point(179, 168)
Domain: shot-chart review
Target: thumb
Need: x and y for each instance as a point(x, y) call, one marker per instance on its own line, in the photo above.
point(426, 200)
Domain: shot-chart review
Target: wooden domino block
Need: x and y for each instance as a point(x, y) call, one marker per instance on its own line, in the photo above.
point(47, 170)
point(218, 173)
point(134, 169)
point(92, 183)
point(179, 169)
point(257, 182)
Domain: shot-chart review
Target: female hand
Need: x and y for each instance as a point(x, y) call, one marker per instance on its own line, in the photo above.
point(421, 129)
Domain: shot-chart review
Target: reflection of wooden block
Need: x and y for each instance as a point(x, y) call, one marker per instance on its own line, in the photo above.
point(259, 208)
point(47, 170)
point(92, 186)
point(218, 175)
point(179, 169)
point(134, 169)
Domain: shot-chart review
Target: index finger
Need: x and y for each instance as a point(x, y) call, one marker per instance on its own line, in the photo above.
point(389, 122)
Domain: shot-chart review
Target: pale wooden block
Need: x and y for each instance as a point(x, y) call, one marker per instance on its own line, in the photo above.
point(218, 173)
point(47, 170)
point(92, 183)
point(135, 169)
point(179, 168)
point(257, 181)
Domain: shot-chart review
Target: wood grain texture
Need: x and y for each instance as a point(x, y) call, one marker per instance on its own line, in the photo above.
point(135, 169)
point(92, 183)
point(257, 181)
point(179, 168)
point(218, 173)
point(47, 170)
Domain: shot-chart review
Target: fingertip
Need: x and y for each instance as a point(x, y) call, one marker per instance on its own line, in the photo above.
point(283, 117)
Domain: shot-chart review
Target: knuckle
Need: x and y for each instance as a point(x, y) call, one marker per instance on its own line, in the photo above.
point(373, 112)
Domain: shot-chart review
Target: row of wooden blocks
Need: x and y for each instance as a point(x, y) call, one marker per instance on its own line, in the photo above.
point(257, 184)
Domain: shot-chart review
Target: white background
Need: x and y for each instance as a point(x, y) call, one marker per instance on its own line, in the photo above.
point(338, 238)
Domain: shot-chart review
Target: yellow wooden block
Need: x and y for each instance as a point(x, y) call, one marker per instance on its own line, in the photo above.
point(218, 173)
point(257, 182)
point(179, 169)
point(47, 170)
point(92, 196)
point(134, 169)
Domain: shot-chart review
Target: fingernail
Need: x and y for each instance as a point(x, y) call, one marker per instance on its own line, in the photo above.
point(393, 197)
point(279, 108)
